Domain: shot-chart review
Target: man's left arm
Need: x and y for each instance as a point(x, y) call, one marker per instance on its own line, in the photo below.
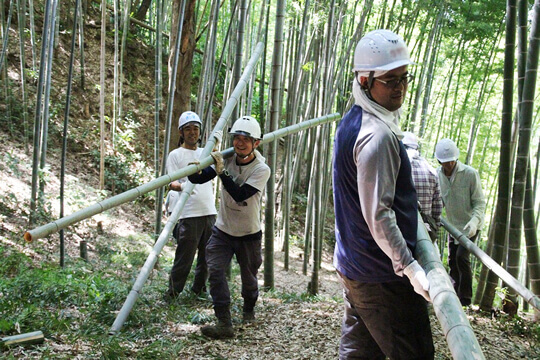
point(478, 205)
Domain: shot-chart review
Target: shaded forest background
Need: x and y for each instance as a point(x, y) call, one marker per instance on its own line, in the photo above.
point(457, 93)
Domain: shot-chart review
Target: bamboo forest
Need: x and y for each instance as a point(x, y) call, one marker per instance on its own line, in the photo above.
point(92, 97)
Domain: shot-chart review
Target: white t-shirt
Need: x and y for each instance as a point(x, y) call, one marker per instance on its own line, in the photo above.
point(241, 219)
point(201, 202)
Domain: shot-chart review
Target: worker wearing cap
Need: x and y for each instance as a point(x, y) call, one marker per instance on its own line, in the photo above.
point(198, 215)
point(384, 288)
point(237, 231)
point(464, 201)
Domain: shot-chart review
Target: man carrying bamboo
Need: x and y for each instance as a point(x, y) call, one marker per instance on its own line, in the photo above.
point(198, 215)
point(376, 213)
point(426, 183)
point(238, 227)
point(465, 204)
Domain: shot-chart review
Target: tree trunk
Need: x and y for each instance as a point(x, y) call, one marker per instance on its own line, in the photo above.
point(143, 9)
point(182, 91)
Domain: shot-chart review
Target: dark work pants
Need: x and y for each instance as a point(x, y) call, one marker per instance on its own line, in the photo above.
point(219, 252)
point(384, 320)
point(191, 234)
point(459, 263)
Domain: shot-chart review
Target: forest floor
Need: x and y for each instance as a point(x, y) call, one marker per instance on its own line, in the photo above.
point(290, 324)
point(74, 307)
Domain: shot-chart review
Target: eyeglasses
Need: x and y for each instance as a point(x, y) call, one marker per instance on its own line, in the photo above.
point(393, 83)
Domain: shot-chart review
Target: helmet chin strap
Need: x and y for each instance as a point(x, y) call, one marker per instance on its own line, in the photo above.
point(370, 83)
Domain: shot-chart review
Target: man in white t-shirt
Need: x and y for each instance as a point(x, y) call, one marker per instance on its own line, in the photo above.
point(238, 227)
point(198, 215)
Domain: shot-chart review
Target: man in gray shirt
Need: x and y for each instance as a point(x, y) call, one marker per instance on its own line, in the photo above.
point(465, 204)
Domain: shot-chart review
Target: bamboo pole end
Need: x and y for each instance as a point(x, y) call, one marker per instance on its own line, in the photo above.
point(28, 236)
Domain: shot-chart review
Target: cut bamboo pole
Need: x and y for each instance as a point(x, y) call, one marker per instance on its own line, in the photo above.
point(492, 265)
point(454, 323)
point(35, 337)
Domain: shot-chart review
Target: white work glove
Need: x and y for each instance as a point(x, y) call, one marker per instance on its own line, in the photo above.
point(218, 135)
point(418, 279)
point(218, 158)
point(471, 228)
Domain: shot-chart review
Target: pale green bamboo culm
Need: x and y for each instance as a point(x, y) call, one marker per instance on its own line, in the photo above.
point(454, 323)
point(492, 265)
point(173, 218)
point(132, 194)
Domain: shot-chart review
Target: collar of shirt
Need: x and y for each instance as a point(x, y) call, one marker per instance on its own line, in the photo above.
point(390, 118)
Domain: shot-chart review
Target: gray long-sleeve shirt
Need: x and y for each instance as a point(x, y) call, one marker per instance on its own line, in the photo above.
point(462, 196)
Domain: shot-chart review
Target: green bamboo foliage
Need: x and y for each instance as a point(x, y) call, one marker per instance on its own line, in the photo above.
point(424, 74)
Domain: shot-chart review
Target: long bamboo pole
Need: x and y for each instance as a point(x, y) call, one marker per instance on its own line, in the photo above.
point(161, 181)
point(170, 104)
point(164, 236)
point(454, 323)
point(492, 265)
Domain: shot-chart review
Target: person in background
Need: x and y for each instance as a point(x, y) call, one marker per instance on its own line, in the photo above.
point(465, 204)
point(238, 226)
point(376, 212)
point(198, 215)
point(426, 182)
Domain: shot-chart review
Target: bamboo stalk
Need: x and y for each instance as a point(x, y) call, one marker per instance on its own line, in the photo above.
point(492, 265)
point(454, 323)
point(170, 104)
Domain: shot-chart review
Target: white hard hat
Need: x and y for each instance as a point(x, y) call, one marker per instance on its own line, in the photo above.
point(247, 126)
point(446, 150)
point(410, 140)
point(380, 50)
point(188, 117)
